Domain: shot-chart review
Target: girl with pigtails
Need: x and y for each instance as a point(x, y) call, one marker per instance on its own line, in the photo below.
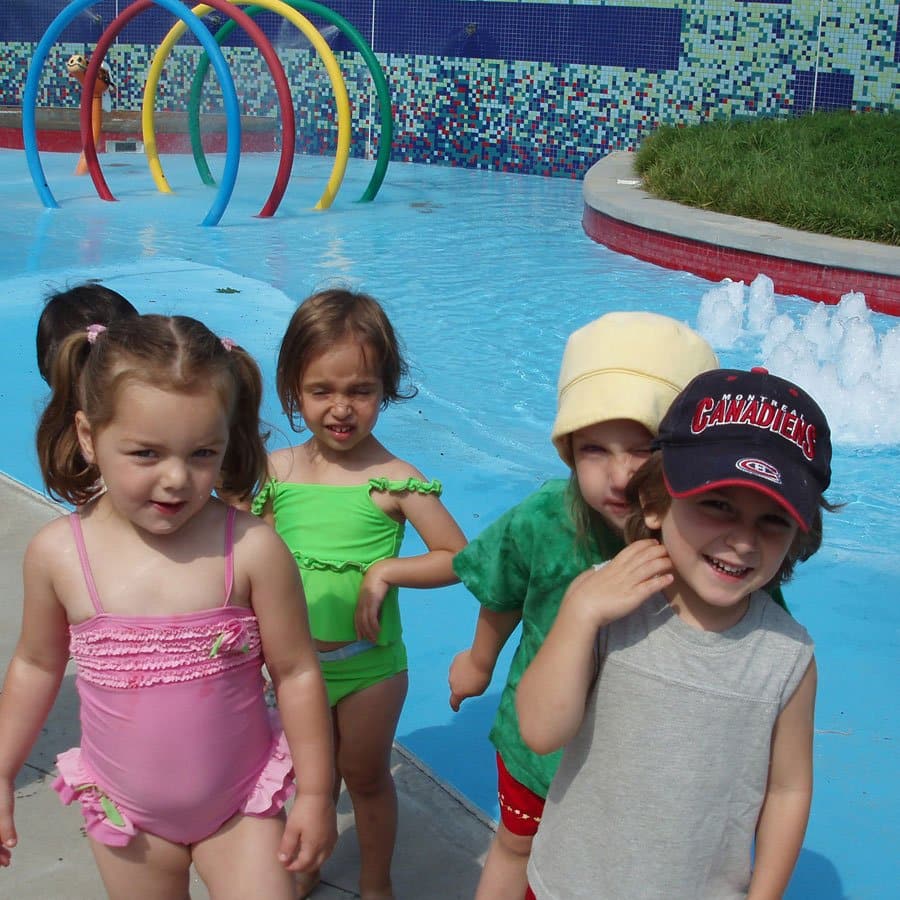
point(169, 601)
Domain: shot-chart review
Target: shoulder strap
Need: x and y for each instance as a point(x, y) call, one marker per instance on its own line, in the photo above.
point(267, 491)
point(75, 524)
point(408, 484)
point(229, 553)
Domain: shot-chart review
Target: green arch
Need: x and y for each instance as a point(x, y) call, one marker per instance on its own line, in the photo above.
point(386, 136)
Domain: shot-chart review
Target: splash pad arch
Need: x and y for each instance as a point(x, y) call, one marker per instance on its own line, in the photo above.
point(212, 53)
point(386, 135)
point(322, 49)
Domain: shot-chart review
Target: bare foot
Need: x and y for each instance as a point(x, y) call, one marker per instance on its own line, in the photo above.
point(306, 883)
point(384, 894)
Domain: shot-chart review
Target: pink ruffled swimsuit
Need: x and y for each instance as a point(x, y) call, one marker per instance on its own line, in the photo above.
point(175, 734)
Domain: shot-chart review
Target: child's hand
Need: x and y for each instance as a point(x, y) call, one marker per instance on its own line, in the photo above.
point(8, 838)
point(310, 833)
point(368, 607)
point(467, 679)
point(611, 591)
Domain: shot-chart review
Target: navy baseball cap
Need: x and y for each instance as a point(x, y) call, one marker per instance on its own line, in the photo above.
point(747, 429)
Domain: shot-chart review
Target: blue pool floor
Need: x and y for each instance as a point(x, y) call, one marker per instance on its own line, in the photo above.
point(484, 276)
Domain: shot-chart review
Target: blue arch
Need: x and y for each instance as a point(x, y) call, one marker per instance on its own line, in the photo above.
point(232, 108)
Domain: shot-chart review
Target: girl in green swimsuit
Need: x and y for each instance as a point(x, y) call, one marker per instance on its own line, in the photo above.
point(340, 501)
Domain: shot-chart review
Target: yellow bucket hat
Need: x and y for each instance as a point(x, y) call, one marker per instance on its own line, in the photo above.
point(625, 365)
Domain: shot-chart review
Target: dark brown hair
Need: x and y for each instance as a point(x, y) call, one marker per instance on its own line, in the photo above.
point(66, 312)
point(176, 354)
point(325, 319)
point(647, 493)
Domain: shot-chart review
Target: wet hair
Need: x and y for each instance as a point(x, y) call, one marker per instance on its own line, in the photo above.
point(325, 319)
point(647, 493)
point(177, 354)
point(73, 310)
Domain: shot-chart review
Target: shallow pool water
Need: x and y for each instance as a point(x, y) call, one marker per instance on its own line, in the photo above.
point(484, 276)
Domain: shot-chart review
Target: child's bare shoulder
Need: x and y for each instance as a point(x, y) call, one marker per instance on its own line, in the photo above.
point(50, 541)
point(397, 469)
point(51, 562)
point(256, 541)
point(250, 529)
point(262, 560)
point(286, 464)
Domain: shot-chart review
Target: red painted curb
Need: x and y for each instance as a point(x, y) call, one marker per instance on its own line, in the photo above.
point(66, 141)
point(811, 280)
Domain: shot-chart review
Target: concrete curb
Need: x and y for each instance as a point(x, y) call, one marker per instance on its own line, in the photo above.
point(623, 216)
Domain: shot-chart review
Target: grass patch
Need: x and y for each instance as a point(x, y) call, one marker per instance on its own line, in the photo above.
point(831, 173)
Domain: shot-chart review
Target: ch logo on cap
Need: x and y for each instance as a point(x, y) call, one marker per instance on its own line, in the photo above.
point(760, 468)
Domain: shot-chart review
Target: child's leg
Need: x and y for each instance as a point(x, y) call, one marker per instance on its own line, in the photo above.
point(366, 723)
point(149, 868)
point(240, 860)
point(504, 875)
point(306, 883)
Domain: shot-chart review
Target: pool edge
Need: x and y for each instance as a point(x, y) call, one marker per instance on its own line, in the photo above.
point(619, 214)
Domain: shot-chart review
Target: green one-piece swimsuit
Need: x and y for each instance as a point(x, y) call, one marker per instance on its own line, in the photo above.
point(335, 533)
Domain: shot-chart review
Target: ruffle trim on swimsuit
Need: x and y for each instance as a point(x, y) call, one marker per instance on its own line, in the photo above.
point(275, 785)
point(315, 564)
point(435, 487)
point(107, 824)
point(258, 504)
point(116, 655)
point(410, 484)
point(103, 820)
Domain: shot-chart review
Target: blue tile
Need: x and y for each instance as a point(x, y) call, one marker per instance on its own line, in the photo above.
point(833, 90)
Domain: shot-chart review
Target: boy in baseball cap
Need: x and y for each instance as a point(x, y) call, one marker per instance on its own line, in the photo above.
point(682, 693)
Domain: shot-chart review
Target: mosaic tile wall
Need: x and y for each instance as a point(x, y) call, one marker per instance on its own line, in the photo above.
point(535, 87)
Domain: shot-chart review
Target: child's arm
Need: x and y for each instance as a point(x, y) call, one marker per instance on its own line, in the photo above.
point(785, 810)
point(471, 669)
point(280, 608)
point(443, 538)
point(33, 677)
point(551, 695)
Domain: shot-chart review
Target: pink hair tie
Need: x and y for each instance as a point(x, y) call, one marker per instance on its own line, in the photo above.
point(228, 344)
point(93, 331)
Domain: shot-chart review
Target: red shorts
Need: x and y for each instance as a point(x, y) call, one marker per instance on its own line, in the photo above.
point(520, 807)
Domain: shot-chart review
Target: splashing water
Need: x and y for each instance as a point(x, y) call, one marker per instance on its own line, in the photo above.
point(834, 352)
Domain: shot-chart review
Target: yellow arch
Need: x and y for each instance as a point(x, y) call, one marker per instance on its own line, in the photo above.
point(325, 54)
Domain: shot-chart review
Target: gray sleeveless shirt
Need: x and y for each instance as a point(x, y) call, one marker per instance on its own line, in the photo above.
point(659, 793)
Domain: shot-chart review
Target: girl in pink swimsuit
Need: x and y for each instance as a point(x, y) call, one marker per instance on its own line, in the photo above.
point(169, 601)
